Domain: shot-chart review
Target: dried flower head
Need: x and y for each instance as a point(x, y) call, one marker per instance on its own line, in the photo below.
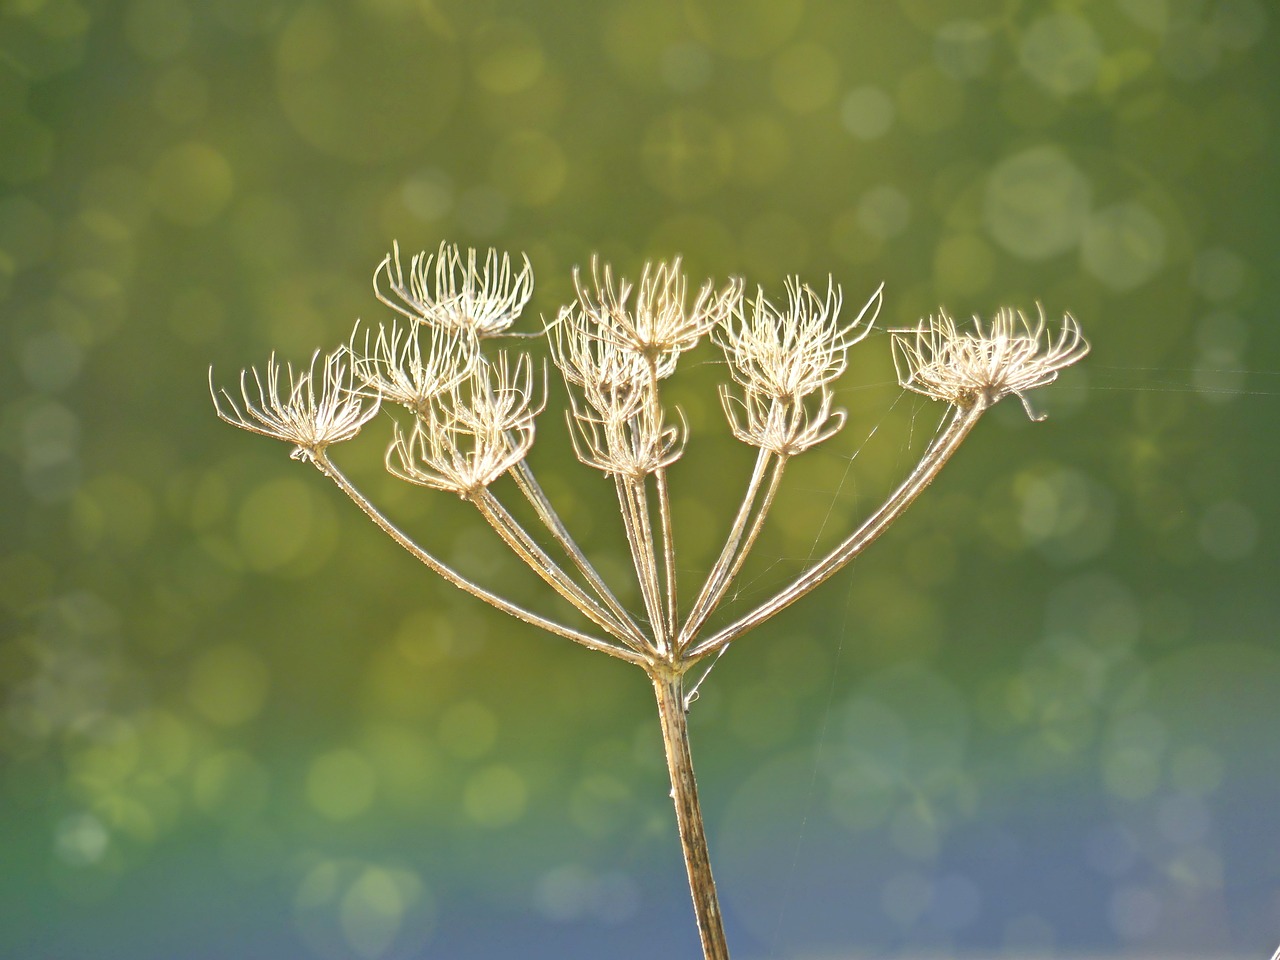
point(456, 291)
point(399, 369)
point(611, 377)
point(659, 325)
point(308, 415)
point(1011, 356)
point(471, 436)
point(784, 427)
point(794, 352)
point(629, 440)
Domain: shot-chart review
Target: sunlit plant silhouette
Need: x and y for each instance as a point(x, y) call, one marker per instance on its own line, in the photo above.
point(471, 420)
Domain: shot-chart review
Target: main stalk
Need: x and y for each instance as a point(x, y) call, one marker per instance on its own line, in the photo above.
point(669, 689)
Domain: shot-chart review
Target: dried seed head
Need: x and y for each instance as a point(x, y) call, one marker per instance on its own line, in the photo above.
point(611, 377)
point(396, 368)
point(784, 426)
point(311, 416)
point(1013, 355)
point(471, 436)
point(629, 441)
point(793, 353)
point(658, 326)
point(456, 291)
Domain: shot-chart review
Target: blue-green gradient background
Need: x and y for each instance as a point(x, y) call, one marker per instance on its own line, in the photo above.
point(1038, 718)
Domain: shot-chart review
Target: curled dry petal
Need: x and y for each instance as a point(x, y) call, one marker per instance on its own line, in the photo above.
point(627, 442)
point(318, 407)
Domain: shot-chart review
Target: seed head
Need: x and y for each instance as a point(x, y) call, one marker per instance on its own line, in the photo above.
point(454, 291)
point(396, 368)
point(659, 326)
point(471, 436)
point(784, 426)
point(1011, 356)
point(791, 353)
point(308, 415)
point(613, 379)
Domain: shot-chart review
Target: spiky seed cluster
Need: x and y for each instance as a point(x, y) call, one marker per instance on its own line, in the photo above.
point(469, 437)
point(456, 291)
point(613, 350)
point(318, 407)
point(785, 361)
point(413, 364)
point(1010, 356)
point(787, 353)
point(660, 324)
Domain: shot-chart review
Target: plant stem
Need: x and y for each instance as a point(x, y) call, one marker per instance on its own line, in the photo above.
point(943, 446)
point(669, 689)
point(329, 469)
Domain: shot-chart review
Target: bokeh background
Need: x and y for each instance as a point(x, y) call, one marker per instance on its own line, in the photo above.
point(1038, 718)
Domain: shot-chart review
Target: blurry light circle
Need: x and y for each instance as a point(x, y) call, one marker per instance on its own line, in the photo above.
point(363, 86)
point(867, 112)
point(1062, 53)
point(962, 49)
point(1124, 245)
point(1037, 203)
point(355, 910)
point(686, 153)
point(744, 29)
point(507, 56)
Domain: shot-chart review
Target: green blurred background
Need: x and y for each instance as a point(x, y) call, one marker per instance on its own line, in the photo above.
point(1039, 717)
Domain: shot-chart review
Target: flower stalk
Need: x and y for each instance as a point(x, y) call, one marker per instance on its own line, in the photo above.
point(468, 419)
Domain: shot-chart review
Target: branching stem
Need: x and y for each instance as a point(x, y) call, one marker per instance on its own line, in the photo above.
point(946, 443)
point(736, 547)
point(533, 492)
point(329, 469)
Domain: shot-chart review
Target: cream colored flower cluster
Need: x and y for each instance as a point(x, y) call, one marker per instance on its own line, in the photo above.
point(473, 411)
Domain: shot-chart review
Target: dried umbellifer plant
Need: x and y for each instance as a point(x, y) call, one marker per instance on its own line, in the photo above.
point(470, 420)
